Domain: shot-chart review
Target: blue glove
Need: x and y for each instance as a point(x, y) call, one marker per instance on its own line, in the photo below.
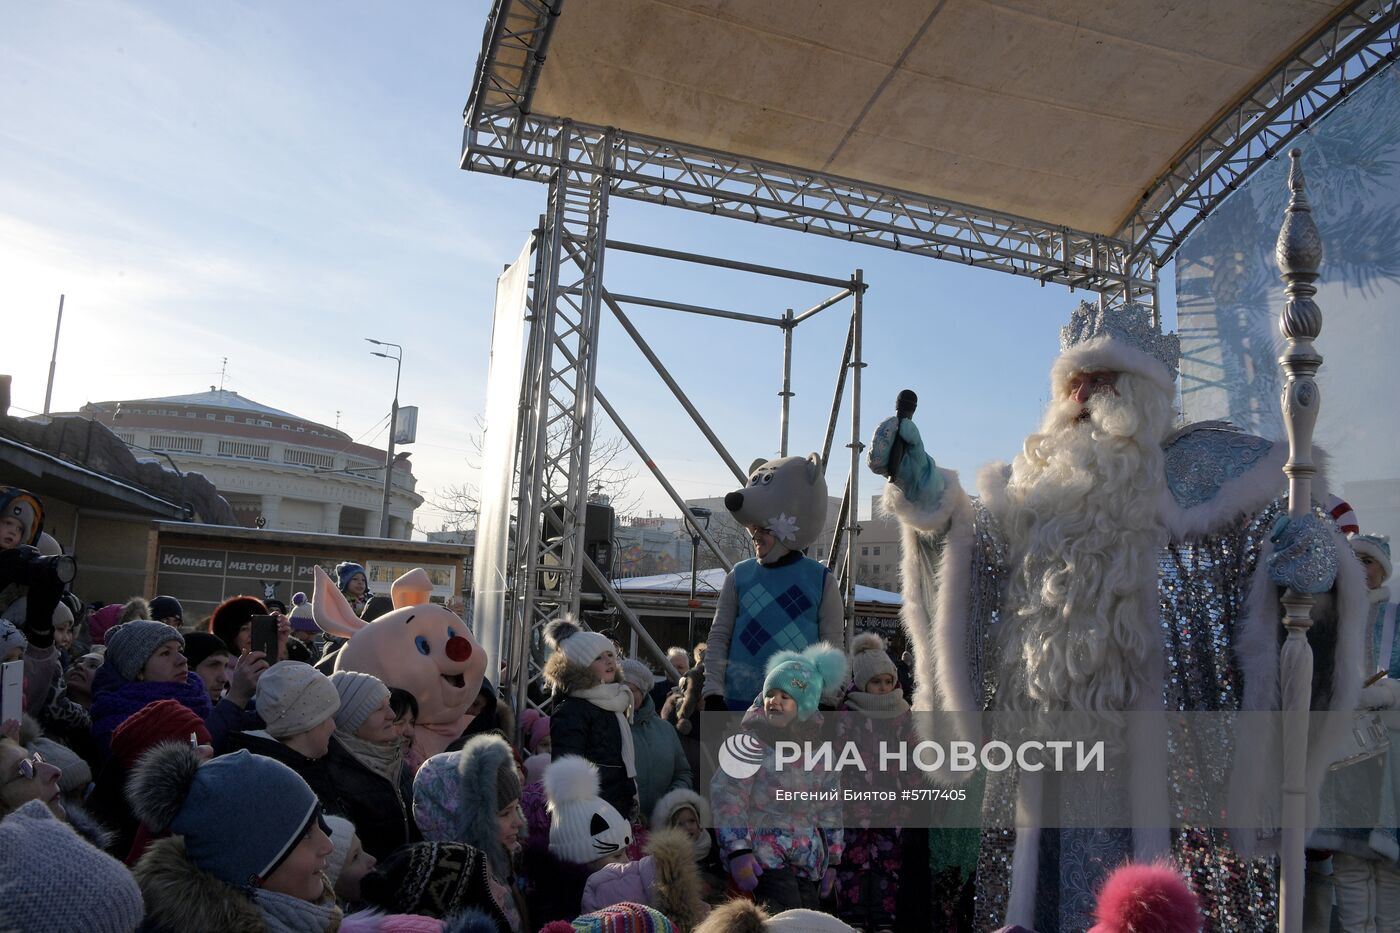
point(1305, 557)
point(828, 884)
point(917, 478)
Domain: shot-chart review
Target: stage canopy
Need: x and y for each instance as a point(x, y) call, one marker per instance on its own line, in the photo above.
point(1126, 120)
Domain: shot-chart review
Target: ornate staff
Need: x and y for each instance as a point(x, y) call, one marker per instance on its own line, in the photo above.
point(1298, 254)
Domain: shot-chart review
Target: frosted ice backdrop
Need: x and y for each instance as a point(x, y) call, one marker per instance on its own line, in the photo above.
point(1229, 295)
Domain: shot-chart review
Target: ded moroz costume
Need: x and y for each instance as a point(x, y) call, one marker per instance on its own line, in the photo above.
point(1118, 566)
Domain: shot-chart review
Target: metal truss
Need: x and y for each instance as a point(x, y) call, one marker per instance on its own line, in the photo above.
point(557, 417)
point(1347, 51)
point(503, 137)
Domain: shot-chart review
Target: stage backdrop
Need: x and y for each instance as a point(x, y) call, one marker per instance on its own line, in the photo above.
point(1229, 296)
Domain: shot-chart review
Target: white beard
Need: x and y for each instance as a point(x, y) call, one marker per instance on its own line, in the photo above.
point(1080, 513)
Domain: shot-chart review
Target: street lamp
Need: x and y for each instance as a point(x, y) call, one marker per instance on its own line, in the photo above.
point(393, 424)
point(701, 514)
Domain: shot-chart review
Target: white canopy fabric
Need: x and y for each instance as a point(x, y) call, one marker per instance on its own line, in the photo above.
point(1065, 111)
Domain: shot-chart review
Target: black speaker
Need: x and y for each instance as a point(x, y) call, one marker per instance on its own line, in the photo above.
point(597, 540)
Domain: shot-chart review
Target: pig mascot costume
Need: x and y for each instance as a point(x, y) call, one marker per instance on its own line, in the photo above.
point(420, 646)
point(781, 600)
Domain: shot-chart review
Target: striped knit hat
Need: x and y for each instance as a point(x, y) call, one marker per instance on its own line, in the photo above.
point(624, 918)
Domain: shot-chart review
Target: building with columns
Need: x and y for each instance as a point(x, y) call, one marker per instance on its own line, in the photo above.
point(293, 474)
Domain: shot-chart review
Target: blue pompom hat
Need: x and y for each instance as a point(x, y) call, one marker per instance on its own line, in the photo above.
point(805, 675)
point(267, 803)
point(347, 569)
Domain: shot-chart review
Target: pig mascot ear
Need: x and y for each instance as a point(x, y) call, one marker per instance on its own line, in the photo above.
point(814, 467)
point(756, 464)
point(412, 589)
point(330, 610)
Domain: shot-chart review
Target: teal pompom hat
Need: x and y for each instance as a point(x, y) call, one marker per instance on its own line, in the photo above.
point(805, 675)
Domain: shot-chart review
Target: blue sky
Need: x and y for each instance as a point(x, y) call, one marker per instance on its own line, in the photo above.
point(273, 182)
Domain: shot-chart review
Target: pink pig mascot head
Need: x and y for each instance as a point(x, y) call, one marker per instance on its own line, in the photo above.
point(420, 646)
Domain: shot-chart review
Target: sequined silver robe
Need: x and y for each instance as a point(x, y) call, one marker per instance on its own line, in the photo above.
point(1217, 616)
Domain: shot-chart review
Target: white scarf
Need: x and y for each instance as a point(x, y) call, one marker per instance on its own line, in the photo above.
point(615, 698)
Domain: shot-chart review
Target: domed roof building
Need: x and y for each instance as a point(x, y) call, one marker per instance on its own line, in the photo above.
point(277, 470)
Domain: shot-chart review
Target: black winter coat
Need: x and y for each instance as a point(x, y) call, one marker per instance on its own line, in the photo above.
point(577, 727)
point(381, 812)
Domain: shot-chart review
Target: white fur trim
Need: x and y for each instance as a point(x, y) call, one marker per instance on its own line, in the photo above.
point(1025, 856)
point(1108, 353)
point(917, 515)
point(937, 623)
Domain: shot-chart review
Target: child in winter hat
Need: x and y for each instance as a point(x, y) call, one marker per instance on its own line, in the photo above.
point(781, 865)
point(583, 827)
point(303, 621)
point(354, 584)
point(348, 862)
point(472, 796)
point(593, 710)
point(44, 858)
point(866, 892)
point(265, 872)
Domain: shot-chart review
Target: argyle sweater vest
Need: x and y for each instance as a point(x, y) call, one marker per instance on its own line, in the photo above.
point(777, 610)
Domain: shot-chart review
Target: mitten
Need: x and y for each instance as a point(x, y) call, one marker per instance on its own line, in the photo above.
point(745, 871)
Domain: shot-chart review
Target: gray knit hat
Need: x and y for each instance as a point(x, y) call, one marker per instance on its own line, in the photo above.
point(293, 698)
point(360, 695)
point(869, 659)
point(44, 858)
point(637, 674)
point(131, 644)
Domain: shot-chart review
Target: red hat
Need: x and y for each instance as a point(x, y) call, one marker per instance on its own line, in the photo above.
point(102, 620)
point(161, 721)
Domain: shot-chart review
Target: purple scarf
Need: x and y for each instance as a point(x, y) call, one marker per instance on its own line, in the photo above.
point(115, 699)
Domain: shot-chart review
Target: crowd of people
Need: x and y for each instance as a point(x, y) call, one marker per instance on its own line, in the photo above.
point(166, 776)
point(361, 772)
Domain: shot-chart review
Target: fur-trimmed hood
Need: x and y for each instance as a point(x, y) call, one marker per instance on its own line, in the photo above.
point(482, 759)
point(181, 896)
point(566, 677)
point(676, 891)
point(736, 916)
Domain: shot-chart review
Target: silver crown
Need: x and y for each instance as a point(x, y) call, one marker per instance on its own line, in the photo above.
point(1130, 323)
